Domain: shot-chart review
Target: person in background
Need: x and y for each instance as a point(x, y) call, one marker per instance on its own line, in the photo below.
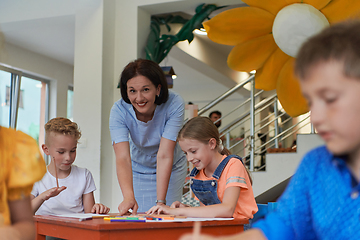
point(214, 116)
point(21, 165)
point(144, 123)
point(219, 180)
point(76, 185)
point(322, 199)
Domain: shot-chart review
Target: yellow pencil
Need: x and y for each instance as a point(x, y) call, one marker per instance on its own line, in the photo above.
point(56, 176)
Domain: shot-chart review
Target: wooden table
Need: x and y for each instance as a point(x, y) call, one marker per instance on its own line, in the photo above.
point(69, 228)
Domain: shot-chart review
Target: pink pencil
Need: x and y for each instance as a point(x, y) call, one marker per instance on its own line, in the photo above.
point(56, 176)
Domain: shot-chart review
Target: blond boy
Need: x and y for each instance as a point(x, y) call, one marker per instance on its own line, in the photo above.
point(322, 199)
point(65, 188)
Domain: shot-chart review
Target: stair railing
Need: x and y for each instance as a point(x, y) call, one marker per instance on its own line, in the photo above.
point(225, 95)
point(289, 133)
point(249, 140)
point(286, 133)
point(256, 127)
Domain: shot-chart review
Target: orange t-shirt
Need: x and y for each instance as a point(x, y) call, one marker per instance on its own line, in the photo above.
point(235, 175)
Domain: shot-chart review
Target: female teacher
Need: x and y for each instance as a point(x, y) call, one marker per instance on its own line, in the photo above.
point(144, 123)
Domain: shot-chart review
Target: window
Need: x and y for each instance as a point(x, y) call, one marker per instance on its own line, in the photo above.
point(24, 102)
point(70, 94)
point(31, 111)
point(5, 82)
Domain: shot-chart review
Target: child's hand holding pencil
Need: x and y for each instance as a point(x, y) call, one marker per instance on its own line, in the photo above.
point(52, 192)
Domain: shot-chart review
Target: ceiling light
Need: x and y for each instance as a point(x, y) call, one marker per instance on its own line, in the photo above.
point(169, 74)
point(200, 31)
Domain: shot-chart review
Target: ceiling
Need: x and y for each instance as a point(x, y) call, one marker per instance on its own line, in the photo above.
point(48, 27)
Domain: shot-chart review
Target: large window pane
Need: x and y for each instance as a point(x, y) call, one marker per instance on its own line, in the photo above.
point(29, 111)
point(23, 102)
point(5, 81)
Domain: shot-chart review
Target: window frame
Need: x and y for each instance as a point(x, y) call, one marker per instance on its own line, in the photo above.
point(15, 89)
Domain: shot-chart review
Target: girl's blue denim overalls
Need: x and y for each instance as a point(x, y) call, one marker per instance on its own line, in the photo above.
point(206, 191)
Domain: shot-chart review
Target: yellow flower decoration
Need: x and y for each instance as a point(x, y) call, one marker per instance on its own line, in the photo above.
point(268, 34)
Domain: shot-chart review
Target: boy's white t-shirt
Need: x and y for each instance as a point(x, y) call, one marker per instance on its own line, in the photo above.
point(79, 182)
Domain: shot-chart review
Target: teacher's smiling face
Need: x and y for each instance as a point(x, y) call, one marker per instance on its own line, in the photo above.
point(142, 93)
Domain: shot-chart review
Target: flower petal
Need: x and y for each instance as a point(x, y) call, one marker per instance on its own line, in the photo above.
point(289, 92)
point(266, 77)
point(252, 54)
point(271, 6)
point(339, 10)
point(318, 4)
point(237, 25)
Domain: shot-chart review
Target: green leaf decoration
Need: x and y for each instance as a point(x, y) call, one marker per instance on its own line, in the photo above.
point(158, 47)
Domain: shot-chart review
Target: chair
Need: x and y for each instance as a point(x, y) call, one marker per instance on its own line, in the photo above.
point(264, 209)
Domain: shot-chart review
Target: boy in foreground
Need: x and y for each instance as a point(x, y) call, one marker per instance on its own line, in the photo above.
point(322, 199)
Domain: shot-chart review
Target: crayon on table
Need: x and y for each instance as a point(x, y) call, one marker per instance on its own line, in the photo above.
point(127, 220)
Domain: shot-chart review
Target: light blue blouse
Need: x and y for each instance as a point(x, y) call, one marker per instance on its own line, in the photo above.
point(144, 138)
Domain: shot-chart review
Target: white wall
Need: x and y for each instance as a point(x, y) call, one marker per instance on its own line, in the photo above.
point(88, 60)
point(108, 177)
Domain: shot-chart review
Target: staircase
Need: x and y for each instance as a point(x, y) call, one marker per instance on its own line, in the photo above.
point(268, 185)
point(264, 127)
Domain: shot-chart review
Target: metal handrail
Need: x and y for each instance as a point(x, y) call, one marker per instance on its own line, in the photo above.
point(287, 135)
point(225, 95)
point(242, 119)
point(284, 132)
point(240, 105)
point(269, 122)
point(231, 124)
point(280, 135)
point(262, 167)
point(263, 123)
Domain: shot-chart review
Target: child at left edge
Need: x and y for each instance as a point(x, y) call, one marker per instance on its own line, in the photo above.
point(77, 184)
point(224, 176)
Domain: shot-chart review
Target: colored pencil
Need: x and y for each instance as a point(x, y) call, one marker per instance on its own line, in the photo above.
point(160, 215)
point(56, 176)
point(127, 220)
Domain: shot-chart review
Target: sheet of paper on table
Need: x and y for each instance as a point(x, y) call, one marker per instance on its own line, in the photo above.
point(83, 216)
point(88, 216)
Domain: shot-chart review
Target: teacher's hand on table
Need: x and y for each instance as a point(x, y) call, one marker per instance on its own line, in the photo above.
point(127, 204)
